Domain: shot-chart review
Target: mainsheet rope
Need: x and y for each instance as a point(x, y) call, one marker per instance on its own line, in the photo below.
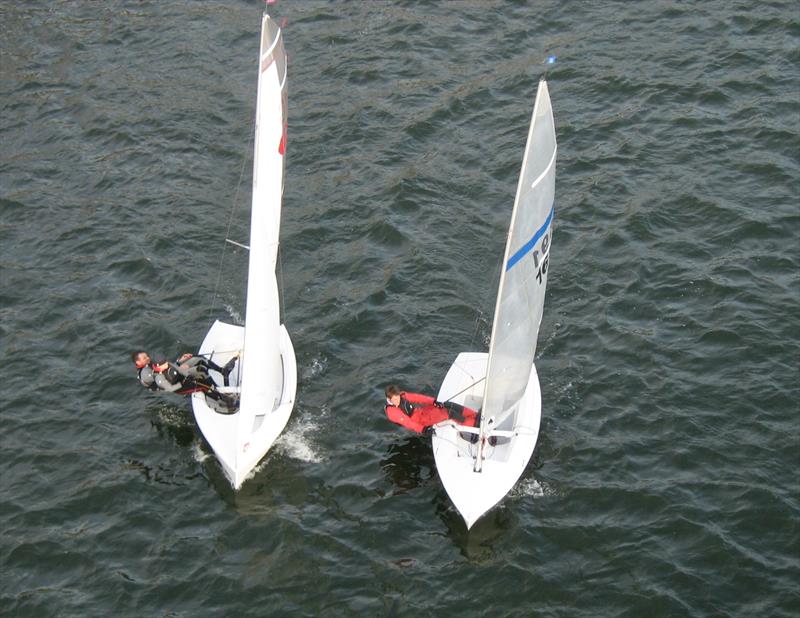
point(464, 390)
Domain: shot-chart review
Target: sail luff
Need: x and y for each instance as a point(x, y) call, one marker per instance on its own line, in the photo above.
point(261, 368)
point(520, 296)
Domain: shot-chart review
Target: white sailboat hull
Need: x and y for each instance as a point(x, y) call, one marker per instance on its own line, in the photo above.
point(474, 493)
point(221, 431)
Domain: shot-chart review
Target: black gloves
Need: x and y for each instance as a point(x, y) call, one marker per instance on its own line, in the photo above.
point(428, 431)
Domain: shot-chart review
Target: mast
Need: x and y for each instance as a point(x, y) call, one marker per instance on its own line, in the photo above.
point(523, 278)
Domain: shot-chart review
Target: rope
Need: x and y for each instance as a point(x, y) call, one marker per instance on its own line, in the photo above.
point(464, 390)
point(210, 354)
point(466, 452)
point(459, 448)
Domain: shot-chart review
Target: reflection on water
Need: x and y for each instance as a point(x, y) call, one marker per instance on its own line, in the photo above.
point(174, 422)
point(478, 543)
point(409, 464)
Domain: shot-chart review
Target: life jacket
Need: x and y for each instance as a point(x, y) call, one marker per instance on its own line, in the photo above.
point(170, 374)
point(406, 407)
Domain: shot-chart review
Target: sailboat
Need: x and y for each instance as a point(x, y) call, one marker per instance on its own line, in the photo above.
point(260, 391)
point(479, 466)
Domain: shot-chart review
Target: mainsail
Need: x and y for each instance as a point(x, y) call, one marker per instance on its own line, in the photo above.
point(262, 375)
point(520, 299)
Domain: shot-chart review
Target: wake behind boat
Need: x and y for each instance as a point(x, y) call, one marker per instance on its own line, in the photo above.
point(503, 384)
point(261, 388)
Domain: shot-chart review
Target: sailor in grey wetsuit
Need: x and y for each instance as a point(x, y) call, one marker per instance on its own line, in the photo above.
point(188, 374)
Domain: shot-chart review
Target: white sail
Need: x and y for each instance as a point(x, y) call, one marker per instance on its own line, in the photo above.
point(477, 471)
point(262, 374)
point(520, 298)
point(265, 378)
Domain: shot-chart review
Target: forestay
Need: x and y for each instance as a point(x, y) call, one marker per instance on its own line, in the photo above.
point(520, 298)
point(262, 376)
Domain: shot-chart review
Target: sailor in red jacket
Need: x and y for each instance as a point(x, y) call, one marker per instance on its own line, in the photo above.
point(420, 412)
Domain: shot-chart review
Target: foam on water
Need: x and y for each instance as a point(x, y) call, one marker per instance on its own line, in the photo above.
point(172, 415)
point(198, 453)
point(532, 488)
point(236, 317)
point(315, 368)
point(297, 441)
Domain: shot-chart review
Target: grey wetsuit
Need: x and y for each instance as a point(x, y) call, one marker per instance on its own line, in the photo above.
point(157, 381)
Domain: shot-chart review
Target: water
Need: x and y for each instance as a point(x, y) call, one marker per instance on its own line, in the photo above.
point(665, 478)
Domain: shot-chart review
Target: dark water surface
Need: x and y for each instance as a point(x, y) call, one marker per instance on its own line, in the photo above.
point(665, 481)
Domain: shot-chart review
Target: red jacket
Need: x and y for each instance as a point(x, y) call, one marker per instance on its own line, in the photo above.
point(417, 412)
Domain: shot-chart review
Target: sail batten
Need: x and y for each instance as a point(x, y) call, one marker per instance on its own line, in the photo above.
point(545, 172)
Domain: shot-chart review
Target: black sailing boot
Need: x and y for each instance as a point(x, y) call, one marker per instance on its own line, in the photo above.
point(226, 370)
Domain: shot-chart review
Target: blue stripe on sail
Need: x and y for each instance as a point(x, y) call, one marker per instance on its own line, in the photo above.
point(526, 248)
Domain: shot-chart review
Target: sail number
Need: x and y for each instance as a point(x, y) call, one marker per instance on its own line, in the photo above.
point(541, 269)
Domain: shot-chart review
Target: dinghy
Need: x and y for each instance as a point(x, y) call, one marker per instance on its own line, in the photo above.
point(479, 466)
point(261, 388)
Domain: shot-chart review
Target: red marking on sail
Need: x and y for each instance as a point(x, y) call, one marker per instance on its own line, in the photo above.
point(284, 21)
point(282, 144)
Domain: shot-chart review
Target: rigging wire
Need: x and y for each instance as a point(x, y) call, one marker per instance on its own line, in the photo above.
point(475, 330)
point(282, 294)
point(228, 230)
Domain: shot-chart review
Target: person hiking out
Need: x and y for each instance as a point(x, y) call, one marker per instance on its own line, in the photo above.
point(420, 413)
point(188, 374)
